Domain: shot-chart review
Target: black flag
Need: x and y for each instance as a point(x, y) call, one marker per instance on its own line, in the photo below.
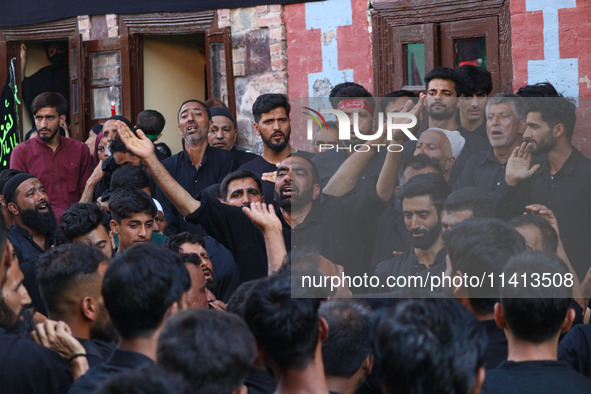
point(9, 131)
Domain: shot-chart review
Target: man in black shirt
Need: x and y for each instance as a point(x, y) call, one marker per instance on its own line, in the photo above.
point(273, 125)
point(142, 286)
point(533, 319)
point(224, 135)
point(25, 367)
point(562, 182)
point(504, 126)
point(197, 166)
point(422, 200)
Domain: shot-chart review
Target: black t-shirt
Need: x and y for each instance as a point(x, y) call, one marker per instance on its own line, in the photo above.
point(537, 377)
point(26, 367)
point(496, 349)
point(575, 349)
point(260, 382)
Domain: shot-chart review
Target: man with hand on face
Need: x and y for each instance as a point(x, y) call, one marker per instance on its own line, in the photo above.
point(62, 164)
point(272, 124)
point(224, 135)
point(197, 166)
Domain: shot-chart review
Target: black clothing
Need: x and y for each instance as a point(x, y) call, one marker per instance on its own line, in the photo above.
point(474, 144)
point(328, 162)
point(225, 272)
point(216, 164)
point(496, 348)
point(26, 367)
point(408, 265)
point(94, 353)
point(241, 157)
point(259, 166)
point(535, 377)
point(120, 361)
point(567, 193)
point(482, 170)
point(391, 235)
point(52, 78)
point(24, 246)
point(260, 382)
point(575, 349)
point(30, 282)
point(233, 229)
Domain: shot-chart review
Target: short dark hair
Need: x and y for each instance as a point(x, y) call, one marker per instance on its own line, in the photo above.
point(141, 283)
point(418, 162)
point(236, 303)
point(238, 174)
point(214, 351)
point(471, 198)
point(445, 73)
point(393, 96)
point(554, 110)
point(195, 101)
point(433, 185)
point(476, 246)
point(473, 80)
point(349, 336)
point(535, 314)
point(541, 89)
point(146, 380)
point(175, 241)
point(285, 328)
point(150, 122)
point(352, 91)
point(428, 346)
point(268, 102)
point(61, 268)
point(50, 99)
point(549, 236)
point(126, 201)
point(131, 176)
point(80, 219)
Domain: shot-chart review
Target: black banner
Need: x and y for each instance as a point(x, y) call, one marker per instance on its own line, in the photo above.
point(9, 132)
point(18, 13)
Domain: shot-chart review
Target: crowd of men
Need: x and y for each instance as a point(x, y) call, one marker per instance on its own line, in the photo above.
point(125, 269)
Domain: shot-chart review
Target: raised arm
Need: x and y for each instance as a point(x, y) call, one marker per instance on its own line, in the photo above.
point(142, 147)
point(264, 217)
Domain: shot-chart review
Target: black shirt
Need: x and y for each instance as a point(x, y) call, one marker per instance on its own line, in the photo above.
point(474, 144)
point(260, 382)
point(391, 235)
point(575, 349)
point(537, 377)
point(328, 162)
point(568, 194)
point(26, 367)
point(408, 265)
point(24, 246)
point(496, 348)
point(120, 361)
point(259, 166)
point(482, 170)
point(216, 164)
point(241, 157)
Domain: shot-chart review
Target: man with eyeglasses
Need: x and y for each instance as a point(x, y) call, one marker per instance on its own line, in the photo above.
point(61, 164)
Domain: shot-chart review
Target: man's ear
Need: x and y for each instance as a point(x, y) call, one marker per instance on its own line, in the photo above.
point(500, 316)
point(322, 328)
point(480, 376)
point(62, 119)
point(450, 162)
point(522, 126)
point(367, 365)
point(241, 390)
point(255, 127)
point(460, 292)
point(558, 130)
point(89, 308)
point(13, 208)
point(315, 191)
point(114, 227)
point(568, 320)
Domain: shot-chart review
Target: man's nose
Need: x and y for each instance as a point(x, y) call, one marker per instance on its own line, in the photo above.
point(142, 231)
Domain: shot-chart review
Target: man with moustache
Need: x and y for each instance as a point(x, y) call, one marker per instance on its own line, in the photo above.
point(62, 164)
point(504, 126)
point(34, 226)
point(224, 135)
point(197, 166)
point(562, 181)
point(273, 125)
point(422, 198)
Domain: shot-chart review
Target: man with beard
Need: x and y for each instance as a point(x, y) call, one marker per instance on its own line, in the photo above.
point(562, 181)
point(34, 226)
point(25, 367)
point(62, 164)
point(70, 279)
point(272, 124)
point(443, 87)
point(197, 166)
point(422, 198)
